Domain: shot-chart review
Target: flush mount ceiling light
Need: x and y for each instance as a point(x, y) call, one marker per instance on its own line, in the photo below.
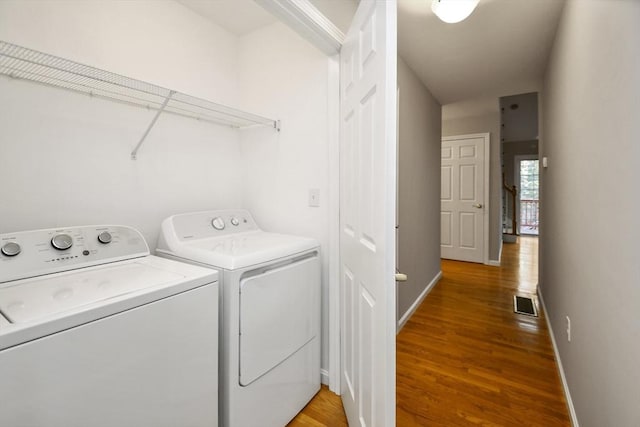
point(452, 11)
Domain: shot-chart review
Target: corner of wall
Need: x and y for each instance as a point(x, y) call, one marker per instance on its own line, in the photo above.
point(407, 315)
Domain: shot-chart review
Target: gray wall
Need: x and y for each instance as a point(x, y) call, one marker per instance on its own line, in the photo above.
point(512, 149)
point(520, 124)
point(589, 242)
point(481, 124)
point(418, 187)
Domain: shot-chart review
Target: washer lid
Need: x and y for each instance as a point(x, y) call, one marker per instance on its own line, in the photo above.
point(33, 299)
point(242, 249)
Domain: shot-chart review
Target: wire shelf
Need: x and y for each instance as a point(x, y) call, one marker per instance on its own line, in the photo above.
point(23, 63)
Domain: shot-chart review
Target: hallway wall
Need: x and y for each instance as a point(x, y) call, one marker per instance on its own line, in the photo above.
point(487, 122)
point(509, 152)
point(418, 186)
point(589, 241)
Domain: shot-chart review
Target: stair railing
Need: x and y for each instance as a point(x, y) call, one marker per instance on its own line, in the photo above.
point(514, 196)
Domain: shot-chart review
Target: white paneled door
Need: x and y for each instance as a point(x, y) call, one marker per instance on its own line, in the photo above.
point(367, 214)
point(464, 197)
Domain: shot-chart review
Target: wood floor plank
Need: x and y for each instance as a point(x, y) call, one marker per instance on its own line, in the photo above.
point(466, 359)
point(324, 410)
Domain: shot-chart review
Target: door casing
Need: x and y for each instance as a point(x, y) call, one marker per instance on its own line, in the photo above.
point(487, 205)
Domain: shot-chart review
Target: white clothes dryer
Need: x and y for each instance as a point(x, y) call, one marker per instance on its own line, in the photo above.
point(96, 332)
point(270, 312)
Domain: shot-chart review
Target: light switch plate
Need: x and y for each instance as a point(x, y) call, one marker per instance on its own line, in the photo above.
point(314, 197)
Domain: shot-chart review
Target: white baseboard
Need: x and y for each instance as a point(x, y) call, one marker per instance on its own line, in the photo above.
point(324, 376)
point(565, 386)
point(418, 301)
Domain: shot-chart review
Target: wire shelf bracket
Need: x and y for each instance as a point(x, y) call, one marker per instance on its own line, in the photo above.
point(19, 62)
point(134, 153)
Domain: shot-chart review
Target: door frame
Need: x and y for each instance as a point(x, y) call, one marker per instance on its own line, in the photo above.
point(333, 374)
point(302, 17)
point(516, 180)
point(487, 171)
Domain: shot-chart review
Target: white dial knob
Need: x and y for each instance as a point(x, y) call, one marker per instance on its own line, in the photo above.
point(62, 242)
point(235, 221)
point(11, 249)
point(104, 237)
point(217, 223)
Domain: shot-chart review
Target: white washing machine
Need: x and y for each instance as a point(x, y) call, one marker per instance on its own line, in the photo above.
point(270, 312)
point(96, 332)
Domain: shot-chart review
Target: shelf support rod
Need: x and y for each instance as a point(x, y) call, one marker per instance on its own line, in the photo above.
point(134, 153)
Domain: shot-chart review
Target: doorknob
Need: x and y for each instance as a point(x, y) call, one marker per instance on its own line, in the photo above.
point(400, 277)
point(478, 205)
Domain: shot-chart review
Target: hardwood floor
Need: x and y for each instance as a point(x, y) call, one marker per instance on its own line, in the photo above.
point(324, 410)
point(464, 358)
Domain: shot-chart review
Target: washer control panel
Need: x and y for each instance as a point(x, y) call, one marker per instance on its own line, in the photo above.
point(201, 225)
point(34, 253)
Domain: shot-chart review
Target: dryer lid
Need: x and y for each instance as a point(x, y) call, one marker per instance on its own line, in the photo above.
point(47, 296)
point(242, 249)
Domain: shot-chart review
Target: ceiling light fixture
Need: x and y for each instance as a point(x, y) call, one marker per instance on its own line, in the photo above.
point(452, 11)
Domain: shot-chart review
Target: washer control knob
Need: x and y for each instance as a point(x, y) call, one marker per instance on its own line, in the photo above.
point(218, 223)
point(235, 221)
point(62, 242)
point(11, 249)
point(104, 237)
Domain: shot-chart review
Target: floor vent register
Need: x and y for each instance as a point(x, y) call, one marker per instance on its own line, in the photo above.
point(525, 305)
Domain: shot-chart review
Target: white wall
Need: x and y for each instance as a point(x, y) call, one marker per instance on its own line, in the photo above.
point(64, 157)
point(282, 75)
point(418, 187)
point(159, 41)
point(590, 229)
point(468, 123)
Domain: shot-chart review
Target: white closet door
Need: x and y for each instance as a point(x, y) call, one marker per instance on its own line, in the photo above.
point(367, 214)
point(463, 201)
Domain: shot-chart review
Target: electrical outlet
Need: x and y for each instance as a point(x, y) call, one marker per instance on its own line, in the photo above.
point(314, 197)
point(568, 329)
